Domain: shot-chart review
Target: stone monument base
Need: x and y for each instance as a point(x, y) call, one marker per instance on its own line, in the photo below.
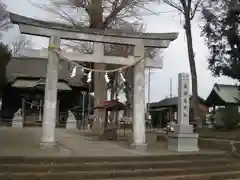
point(17, 123)
point(71, 125)
point(183, 139)
point(71, 121)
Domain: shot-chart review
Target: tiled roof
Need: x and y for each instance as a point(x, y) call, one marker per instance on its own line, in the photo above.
point(36, 68)
point(169, 102)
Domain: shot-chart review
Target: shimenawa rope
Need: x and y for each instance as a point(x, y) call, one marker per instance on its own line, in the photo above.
point(53, 48)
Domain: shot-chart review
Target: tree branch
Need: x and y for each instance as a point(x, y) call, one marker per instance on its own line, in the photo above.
point(19, 45)
point(174, 5)
point(117, 8)
point(194, 10)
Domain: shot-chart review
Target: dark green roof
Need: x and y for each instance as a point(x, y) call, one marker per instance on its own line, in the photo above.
point(223, 94)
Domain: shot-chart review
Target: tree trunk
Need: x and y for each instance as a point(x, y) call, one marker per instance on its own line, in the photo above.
point(113, 92)
point(116, 89)
point(191, 57)
point(95, 13)
point(129, 91)
point(114, 86)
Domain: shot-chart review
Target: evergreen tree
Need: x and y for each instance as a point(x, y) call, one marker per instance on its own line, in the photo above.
point(5, 57)
point(222, 37)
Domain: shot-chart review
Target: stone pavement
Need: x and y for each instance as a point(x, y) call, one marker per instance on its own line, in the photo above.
point(26, 142)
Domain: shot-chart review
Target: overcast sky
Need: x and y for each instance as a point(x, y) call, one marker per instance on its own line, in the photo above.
point(175, 57)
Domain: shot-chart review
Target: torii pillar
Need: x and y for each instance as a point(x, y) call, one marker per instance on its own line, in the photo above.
point(139, 139)
point(50, 97)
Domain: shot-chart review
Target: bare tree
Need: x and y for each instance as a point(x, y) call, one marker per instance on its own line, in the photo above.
point(105, 14)
point(19, 45)
point(188, 9)
point(5, 24)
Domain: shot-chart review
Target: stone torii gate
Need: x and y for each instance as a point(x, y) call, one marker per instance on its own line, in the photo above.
point(55, 32)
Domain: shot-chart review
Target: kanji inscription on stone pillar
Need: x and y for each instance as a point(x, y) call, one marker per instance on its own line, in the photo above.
point(183, 98)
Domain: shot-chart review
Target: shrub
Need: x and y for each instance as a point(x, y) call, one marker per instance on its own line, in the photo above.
point(230, 117)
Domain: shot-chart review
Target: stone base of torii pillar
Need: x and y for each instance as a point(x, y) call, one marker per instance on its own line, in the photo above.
point(183, 139)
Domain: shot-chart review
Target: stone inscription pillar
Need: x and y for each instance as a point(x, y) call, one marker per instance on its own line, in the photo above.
point(183, 99)
point(139, 139)
point(183, 139)
point(50, 98)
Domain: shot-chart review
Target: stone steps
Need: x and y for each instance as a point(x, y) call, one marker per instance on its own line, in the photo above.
point(166, 167)
point(75, 175)
point(105, 166)
point(233, 175)
point(73, 159)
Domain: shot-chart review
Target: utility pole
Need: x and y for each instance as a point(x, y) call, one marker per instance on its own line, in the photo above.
point(170, 87)
point(149, 90)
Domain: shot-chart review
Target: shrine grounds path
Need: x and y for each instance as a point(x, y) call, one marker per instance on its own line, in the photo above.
point(26, 142)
